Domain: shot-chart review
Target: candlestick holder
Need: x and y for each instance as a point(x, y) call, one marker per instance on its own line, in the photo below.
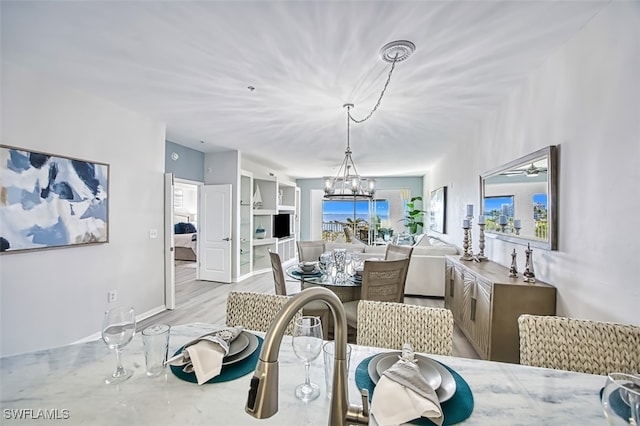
point(517, 228)
point(470, 219)
point(502, 227)
point(467, 254)
point(480, 257)
point(529, 276)
point(513, 270)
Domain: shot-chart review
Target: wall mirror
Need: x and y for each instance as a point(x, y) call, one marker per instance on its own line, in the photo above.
point(518, 200)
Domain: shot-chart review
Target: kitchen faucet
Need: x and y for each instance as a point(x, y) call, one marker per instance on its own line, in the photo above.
point(262, 402)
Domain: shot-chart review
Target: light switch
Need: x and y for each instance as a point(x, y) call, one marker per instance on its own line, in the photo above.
point(153, 233)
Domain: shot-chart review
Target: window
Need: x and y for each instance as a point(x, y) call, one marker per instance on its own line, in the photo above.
point(358, 214)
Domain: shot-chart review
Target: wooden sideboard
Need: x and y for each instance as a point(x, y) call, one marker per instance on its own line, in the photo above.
point(486, 304)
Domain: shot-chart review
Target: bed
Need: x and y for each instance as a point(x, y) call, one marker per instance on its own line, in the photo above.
point(185, 240)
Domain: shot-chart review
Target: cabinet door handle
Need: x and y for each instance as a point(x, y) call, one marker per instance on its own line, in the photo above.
point(473, 309)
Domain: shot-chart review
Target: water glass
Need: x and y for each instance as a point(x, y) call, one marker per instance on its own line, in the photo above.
point(155, 339)
point(325, 262)
point(340, 259)
point(621, 399)
point(328, 351)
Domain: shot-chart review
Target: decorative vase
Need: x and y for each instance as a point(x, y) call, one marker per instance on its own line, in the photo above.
point(260, 232)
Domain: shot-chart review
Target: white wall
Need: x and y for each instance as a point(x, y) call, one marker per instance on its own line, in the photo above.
point(54, 297)
point(586, 99)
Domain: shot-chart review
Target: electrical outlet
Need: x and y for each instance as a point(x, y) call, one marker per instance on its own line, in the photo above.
point(153, 233)
point(112, 296)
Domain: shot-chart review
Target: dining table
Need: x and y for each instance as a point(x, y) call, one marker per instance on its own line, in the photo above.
point(67, 384)
point(344, 284)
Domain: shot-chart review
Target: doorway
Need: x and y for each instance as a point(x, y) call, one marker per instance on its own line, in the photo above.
point(185, 226)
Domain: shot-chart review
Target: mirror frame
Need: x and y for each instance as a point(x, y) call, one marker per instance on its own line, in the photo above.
point(552, 194)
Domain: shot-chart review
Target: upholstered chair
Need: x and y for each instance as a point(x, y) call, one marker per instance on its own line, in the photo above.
point(579, 345)
point(255, 311)
point(310, 251)
point(382, 280)
point(390, 325)
point(395, 252)
point(315, 308)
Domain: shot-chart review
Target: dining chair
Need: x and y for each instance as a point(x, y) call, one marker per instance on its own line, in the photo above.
point(314, 308)
point(383, 281)
point(391, 325)
point(584, 346)
point(310, 251)
point(395, 252)
point(256, 311)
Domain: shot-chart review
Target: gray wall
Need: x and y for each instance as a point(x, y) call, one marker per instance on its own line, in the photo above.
point(585, 99)
point(54, 297)
point(189, 165)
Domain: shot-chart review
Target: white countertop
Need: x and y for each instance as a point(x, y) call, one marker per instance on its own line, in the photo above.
point(69, 382)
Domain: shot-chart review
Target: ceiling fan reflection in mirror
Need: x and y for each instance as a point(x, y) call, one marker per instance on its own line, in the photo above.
point(531, 170)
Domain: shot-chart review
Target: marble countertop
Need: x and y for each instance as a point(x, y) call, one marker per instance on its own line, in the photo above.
point(68, 382)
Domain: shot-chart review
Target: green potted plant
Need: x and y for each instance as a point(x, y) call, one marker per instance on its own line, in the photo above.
point(413, 219)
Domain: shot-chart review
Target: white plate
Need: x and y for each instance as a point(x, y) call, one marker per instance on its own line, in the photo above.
point(238, 344)
point(250, 349)
point(447, 387)
point(427, 369)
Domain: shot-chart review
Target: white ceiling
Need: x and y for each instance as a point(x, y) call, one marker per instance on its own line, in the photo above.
point(189, 64)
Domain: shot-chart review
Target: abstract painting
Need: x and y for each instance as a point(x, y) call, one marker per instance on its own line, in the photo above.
point(437, 211)
point(49, 201)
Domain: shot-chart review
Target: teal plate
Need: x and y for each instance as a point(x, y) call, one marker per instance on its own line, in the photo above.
point(306, 275)
point(455, 410)
point(228, 372)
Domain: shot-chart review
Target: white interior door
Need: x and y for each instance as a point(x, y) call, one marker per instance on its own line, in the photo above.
point(169, 245)
point(214, 235)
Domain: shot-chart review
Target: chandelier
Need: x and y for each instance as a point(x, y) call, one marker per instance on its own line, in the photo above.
point(347, 183)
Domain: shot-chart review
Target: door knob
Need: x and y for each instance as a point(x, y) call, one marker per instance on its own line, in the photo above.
point(226, 239)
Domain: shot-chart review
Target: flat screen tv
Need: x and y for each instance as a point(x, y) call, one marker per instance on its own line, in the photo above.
point(281, 225)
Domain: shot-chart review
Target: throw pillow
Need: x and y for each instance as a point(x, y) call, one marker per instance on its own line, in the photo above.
point(424, 242)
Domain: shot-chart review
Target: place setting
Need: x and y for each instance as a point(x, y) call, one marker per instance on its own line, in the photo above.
point(413, 388)
point(307, 270)
point(221, 355)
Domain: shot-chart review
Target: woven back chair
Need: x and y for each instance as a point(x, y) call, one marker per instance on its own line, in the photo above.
point(383, 281)
point(390, 325)
point(310, 251)
point(315, 308)
point(579, 345)
point(256, 311)
point(395, 252)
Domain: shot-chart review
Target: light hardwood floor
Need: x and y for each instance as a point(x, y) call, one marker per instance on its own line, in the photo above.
point(205, 301)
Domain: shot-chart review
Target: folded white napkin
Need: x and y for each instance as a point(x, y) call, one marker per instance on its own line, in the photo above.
point(204, 355)
point(403, 394)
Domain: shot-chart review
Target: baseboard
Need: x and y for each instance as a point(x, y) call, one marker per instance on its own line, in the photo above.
point(424, 296)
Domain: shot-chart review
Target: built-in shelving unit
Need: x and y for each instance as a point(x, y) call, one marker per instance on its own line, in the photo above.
point(246, 224)
point(276, 197)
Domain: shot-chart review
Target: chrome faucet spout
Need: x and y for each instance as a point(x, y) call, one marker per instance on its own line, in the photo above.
point(262, 402)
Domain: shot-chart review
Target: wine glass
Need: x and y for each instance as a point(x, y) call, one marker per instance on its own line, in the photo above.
point(307, 344)
point(621, 399)
point(118, 327)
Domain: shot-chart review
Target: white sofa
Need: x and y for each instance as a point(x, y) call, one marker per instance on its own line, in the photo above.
point(426, 276)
